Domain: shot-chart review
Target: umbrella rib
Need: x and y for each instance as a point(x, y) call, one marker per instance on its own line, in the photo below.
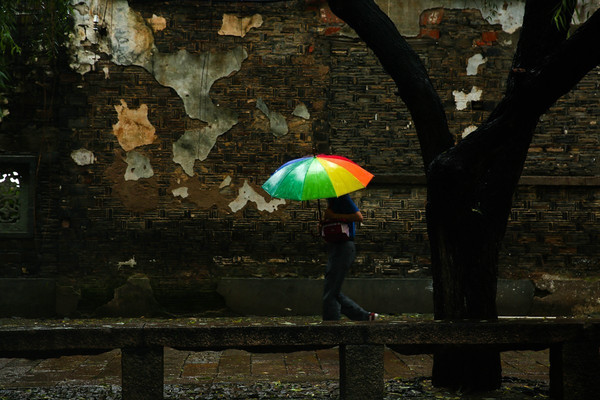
point(322, 180)
point(294, 166)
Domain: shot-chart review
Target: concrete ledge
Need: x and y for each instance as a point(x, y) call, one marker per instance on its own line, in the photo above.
point(27, 297)
point(297, 296)
point(525, 180)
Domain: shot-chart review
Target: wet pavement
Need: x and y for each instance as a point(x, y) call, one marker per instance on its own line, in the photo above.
point(237, 374)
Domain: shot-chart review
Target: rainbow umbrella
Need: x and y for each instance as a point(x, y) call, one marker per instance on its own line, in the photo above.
point(316, 177)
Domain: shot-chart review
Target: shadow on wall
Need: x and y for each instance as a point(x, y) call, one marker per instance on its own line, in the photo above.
point(395, 296)
point(44, 298)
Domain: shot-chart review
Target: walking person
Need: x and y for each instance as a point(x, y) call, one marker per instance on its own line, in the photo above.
point(341, 255)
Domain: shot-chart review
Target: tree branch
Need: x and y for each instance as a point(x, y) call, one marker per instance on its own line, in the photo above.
point(570, 61)
point(404, 66)
point(482, 170)
point(539, 36)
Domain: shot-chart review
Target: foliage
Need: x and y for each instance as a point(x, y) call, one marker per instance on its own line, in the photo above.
point(50, 24)
point(53, 20)
point(8, 46)
point(564, 12)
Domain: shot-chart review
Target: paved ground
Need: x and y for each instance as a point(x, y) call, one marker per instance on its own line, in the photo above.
point(184, 367)
point(211, 369)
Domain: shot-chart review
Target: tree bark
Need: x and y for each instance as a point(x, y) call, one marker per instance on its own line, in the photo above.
point(470, 185)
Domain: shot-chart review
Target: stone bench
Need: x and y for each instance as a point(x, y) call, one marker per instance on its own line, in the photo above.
point(573, 344)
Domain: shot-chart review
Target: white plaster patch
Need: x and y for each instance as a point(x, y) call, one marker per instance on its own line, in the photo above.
point(85, 61)
point(469, 129)
point(301, 111)
point(138, 166)
point(277, 121)
point(226, 182)
point(474, 62)
point(129, 263)
point(509, 14)
point(462, 99)
point(181, 192)
point(83, 157)
point(247, 194)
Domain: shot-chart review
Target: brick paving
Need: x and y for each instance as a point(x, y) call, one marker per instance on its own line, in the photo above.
point(185, 367)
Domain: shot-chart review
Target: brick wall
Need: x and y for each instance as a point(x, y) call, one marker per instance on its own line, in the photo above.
point(90, 234)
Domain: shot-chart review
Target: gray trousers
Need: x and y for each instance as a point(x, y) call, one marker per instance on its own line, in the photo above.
point(340, 258)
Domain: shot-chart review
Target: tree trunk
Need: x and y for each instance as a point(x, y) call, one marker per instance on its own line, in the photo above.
point(470, 185)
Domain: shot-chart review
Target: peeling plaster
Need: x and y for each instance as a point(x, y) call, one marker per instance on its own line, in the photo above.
point(83, 157)
point(406, 14)
point(138, 166)
point(234, 26)
point(301, 111)
point(181, 192)
point(130, 41)
point(469, 129)
point(192, 76)
point(86, 61)
point(248, 194)
point(202, 196)
point(474, 62)
point(226, 182)
point(137, 196)
point(277, 121)
point(157, 23)
point(196, 144)
point(462, 99)
point(133, 129)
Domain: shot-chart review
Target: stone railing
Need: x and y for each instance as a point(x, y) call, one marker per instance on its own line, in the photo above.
point(573, 344)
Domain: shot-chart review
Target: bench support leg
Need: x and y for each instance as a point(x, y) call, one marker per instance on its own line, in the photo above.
point(142, 373)
point(574, 371)
point(361, 372)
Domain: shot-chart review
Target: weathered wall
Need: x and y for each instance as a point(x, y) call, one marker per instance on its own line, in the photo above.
point(166, 127)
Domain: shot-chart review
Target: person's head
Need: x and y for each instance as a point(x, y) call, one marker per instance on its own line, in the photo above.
point(331, 200)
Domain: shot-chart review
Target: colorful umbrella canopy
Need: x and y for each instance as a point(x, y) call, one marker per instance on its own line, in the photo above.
point(316, 177)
